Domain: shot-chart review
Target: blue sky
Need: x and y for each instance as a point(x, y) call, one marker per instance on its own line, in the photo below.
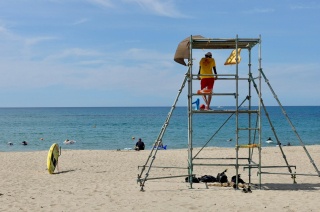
point(120, 52)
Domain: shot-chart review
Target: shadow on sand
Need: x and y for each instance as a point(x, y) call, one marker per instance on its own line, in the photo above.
point(62, 172)
point(291, 187)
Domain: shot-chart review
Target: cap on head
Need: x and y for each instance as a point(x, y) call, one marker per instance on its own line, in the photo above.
point(208, 54)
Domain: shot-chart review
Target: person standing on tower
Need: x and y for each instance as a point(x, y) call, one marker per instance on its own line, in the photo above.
point(207, 64)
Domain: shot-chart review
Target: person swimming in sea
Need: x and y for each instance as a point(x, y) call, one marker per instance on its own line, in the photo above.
point(69, 141)
point(269, 140)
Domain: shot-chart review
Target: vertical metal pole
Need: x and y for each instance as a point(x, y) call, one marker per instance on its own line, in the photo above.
point(259, 111)
point(190, 164)
point(249, 115)
point(237, 114)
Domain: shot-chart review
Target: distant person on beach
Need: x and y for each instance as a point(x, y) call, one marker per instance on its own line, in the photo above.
point(207, 64)
point(160, 145)
point(69, 141)
point(269, 140)
point(139, 145)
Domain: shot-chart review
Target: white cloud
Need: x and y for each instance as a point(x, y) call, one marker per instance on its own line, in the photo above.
point(92, 62)
point(151, 74)
point(3, 30)
point(165, 8)
point(305, 6)
point(5, 33)
point(73, 52)
point(81, 21)
point(292, 82)
point(259, 10)
point(160, 7)
point(103, 3)
point(36, 40)
point(145, 55)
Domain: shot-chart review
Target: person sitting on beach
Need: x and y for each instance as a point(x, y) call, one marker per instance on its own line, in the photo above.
point(139, 145)
point(160, 145)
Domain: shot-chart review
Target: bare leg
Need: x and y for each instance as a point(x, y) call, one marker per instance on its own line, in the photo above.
point(205, 99)
point(209, 101)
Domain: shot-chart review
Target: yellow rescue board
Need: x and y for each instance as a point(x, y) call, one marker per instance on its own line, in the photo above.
point(52, 159)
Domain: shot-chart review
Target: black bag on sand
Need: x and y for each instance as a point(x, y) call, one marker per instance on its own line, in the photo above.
point(222, 177)
point(233, 179)
point(194, 180)
point(208, 179)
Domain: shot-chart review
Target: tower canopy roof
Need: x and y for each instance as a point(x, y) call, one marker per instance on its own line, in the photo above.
point(200, 42)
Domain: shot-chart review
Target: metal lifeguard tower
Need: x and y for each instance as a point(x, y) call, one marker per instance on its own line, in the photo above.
point(252, 130)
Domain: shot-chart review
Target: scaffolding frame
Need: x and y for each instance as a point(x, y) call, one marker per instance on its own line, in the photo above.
point(233, 44)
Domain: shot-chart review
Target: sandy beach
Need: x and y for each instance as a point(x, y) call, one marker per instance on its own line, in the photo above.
point(107, 181)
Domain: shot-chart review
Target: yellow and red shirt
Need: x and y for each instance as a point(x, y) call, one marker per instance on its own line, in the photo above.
point(206, 65)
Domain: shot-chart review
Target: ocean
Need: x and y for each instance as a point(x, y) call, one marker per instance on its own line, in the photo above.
point(111, 128)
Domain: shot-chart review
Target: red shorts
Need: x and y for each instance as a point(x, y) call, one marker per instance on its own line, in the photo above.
point(207, 83)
